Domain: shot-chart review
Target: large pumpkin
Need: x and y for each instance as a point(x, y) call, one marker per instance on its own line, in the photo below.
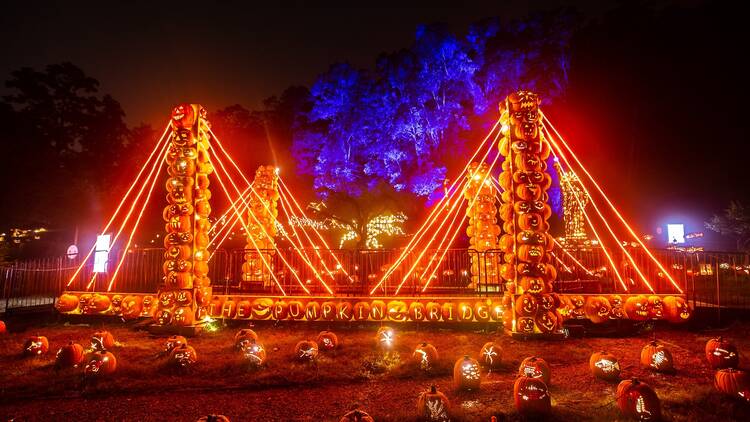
point(100, 364)
point(657, 357)
point(102, 340)
point(676, 310)
point(722, 354)
point(535, 367)
point(34, 346)
point(183, 356)
point(433, 406)
point(69, 356)
point(531, 396)
point(2, 328)
point(636, 308)
point(466, 374)
point(597, 309)
point(327, 341)
point(491, 355)
point(131, 307)
point(306, 351)
point(604, 366)
point(425, 355)
point(733, 382)
point(67, 303)
point(638, 401)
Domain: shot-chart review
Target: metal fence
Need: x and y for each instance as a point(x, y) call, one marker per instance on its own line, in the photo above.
point(709, 279)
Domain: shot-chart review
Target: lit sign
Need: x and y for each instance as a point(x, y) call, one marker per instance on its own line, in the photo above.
point(101, 254)
point(675, 233)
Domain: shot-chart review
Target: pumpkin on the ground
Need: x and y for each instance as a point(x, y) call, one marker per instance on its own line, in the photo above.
point(466, 374)
point(425, 355)
point(637, 400)
point(356, 415)
point(327, 341)
point(2, 328)
point(531, 396)
point(733, 382)
point(253, 352)
point(657, 357)
point(100, 364)
point(213, 418)
point(183, 356)
point(721, 354)
point(244, 335)
point(535, 367)
point(34, 346)
point(604, 366)
point(433, 406)
point(69, 356)
point(102, 340)
point(306, 351)
point(491, 355)
point(174, 341)
point(385, 337)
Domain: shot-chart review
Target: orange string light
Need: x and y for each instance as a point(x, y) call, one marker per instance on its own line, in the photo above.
point(122, 202)
point(572, 258)
point(619, 216)
point(244, 194)
point(457, 230)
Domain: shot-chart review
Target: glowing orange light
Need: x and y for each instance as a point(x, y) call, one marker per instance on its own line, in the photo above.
point(572, 258)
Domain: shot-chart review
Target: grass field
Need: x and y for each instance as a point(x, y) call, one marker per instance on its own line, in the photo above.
point(144, 388)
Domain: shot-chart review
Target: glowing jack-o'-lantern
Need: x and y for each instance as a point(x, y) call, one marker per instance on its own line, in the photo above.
point(100, 364)
point(546, 322)
point(721, 353)
point(34, 346)
point(385, 337)
point(183, 316)
point(69, 356)
point(657, 357)
point(356, 415)
point(243, 336)
point(183, 356)
point(525, 325)
point(306, 351)
point(147, 305)
point(66, 303)
point(433, 406)
point(466, 374)
point(183, 116)
point(597, 309)
point(638, 401)
point(425, 355)
point(102, 340)
point(733, 382)
point(535, 367)
point(253, 352)
point(491, 355)
point(163, 316)
point(676, 310)
point(526, 305)
point(636, 308)
point(97, 304)
point(604, 366)
point(174, 341)
point(327, 341)
point(531, 396)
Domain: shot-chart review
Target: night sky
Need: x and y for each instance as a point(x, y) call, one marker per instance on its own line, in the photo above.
point(656, 106)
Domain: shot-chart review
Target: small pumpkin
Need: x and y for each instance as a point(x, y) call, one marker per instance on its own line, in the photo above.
point(657, 357)
point(733, 382)
point(327, 341)
point(100, 364)
point(102, 340)
point(425, 355)
point(604, 366)
point(466, 374)
point(34, 346)
point(638, 401)
point(531, 396)
point(69, 356)
point(385, 337)
point(491, 355)
point(183, 356)
point(174, 341)
point(433, 406)
point(306, 351)
point(535, 367)
point(253, 352)
point(721, 353)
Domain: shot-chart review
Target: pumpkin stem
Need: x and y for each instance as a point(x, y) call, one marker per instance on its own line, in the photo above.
point(433, 389)
point(466, 357)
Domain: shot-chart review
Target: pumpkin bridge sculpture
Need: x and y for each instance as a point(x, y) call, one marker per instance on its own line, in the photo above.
point(514, 272)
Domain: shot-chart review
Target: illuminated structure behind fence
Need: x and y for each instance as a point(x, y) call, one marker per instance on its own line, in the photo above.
point(573, 218)
point(483, 230)
point(261, 226)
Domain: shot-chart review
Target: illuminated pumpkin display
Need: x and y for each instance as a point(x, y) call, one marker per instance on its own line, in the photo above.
point(243, 336)
point(466, 374)
point(67, 303)
point(425, 355)
point(638, 401)
point(183, 356)
point(597, 309)
point(34, 346)
point(131, 307)
point(491, 355)
point(483, 230)
point(174, 341)
point(604, 366)
point(100, 364)
point(102, 340)
point(733, 382)
point(97, 304)
point(676, 310)
point(531, 396)
point(261, 228)
point(534, 367)
point(306, 351)
point(657, 357)
point(327, 341)
point(721, 354)
point(253, 352)
point(637, 308)
point(433, 406)
point(69, 356)
point(385, 337)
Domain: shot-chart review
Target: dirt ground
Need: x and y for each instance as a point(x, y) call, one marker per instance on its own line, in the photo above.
point(144, 388)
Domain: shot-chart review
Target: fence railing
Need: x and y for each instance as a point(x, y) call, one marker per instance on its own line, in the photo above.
point(709, 279)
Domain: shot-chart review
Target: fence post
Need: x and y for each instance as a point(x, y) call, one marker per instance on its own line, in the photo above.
point(718, 292)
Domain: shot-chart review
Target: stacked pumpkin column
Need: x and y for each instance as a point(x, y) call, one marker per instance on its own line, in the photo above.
point(186, 292)
point(261, 227)
point(530, 305)
point(483, 230)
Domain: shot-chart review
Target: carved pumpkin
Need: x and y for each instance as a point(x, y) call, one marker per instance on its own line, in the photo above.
point(306, 351)
point(534, 367)
point(356, 415)
point(34, 346)
point(597, 309)
point(416, 311)
point(312, 311)
point(546, 322)
point(656, 357)
point(733, 382)
point(526, 305)
point(720, 354)
point(183, 116)
point(361, 311)
point(100, 364)
point(253, 352)
point(531, 396)
point(676, 310)
point(213, 418)
point(425, 355)
point(174, 341)
point(243, 336)
point(604, 366)
point(466, 374)
point(97, 304)
point(433, 406)
point(66, 303)
point(525, 325)
point(69, 356)
point(327, 341)
point(2, 328)
point(636, 308)
point(183, 356)
point(183, 316)
point(102, 340)
point(531, 253)
point(147, 306)
point(491, 355)
point(638, 401)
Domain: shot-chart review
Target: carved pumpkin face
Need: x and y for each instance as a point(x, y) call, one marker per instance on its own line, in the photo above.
point(466, 374)
point(306, 351)
point(676, 309)
point(166, 299)
point(531, 253)
point(164, 316)
point(177, 209)
point(183, 116)
point(528, 237)
point(532, 221)
point(529, 162)
point(526, 305)
point(131, 307)
point(597, 309)
point(525, 325)
point(174, 341)
point(531, 397)
point(183, 316)
point(534, 285)
point(546, 302)
point(636, 308)
point(546, 321)
point(183, 356)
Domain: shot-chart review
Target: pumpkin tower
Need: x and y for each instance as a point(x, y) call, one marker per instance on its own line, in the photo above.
point(530, 305)
point(261, 228)
point(184, 296)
